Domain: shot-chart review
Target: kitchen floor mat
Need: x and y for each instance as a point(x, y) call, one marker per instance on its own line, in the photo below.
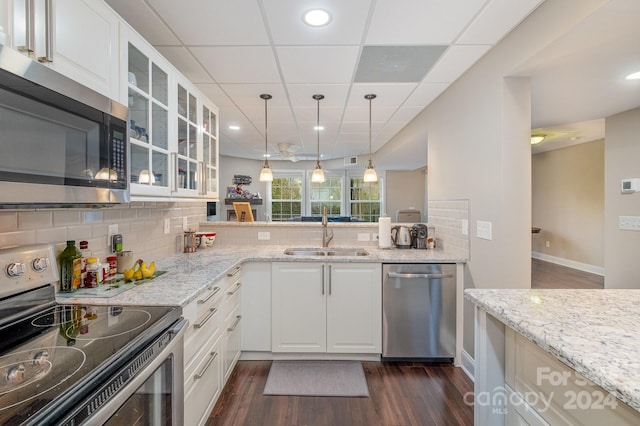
point(317, 378)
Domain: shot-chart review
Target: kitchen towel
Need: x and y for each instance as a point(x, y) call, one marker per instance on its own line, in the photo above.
point(384, 232)
point(317, 378)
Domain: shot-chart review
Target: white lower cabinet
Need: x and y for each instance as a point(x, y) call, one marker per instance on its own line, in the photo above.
point(326, 307)
point(211, 346)
point(540, 390)
point(256, 307)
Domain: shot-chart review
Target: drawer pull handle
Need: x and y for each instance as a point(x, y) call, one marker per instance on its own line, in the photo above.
point(235, 271)
point(419, 275)
point(204, 320)
point(238, 284)
point(212, 356)
point(235, 324)
point(213, 293)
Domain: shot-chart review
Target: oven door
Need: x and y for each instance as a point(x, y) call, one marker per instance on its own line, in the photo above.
point(146, 391)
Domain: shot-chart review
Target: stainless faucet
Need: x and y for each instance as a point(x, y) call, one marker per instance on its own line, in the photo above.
point(326, 237)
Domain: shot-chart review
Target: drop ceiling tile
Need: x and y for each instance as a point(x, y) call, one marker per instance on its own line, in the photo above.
point(455, 62)
point(318, 64)
point(425, 93)
point(406, 114)
point(387, 94)
point(335, 95)
point(361, 127)
point(215, 94)
point(307, 116)
point(414, 22)
point(146, 22)
point(202, 23)
point(396, 64)
point(380, 114)
point(276, 114)
point(185, 62)
point(287, 27)
point(249, 94)
point(497, 20)
point(241, 64)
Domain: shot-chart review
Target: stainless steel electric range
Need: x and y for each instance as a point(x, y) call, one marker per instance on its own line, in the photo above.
point(78, 363)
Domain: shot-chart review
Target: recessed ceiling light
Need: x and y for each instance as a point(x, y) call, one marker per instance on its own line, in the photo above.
point(634, 76)
point(318, 128)
point(316, 17)
point(232, 127)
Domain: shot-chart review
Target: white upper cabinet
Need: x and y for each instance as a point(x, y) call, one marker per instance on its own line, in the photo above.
point(210, 150)
point(147, 92)
point(79, 39)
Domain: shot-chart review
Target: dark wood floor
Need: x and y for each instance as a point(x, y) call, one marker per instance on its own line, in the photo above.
point(402, 393)
point(550, 275)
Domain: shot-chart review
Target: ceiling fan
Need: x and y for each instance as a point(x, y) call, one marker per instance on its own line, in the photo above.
point(286, 151)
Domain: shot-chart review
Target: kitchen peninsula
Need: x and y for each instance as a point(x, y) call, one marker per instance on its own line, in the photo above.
point(556, 356)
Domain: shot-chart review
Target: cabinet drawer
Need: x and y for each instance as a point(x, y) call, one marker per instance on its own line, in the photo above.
point(206, 326)
point(231, 301)
point(203, 383)
point(232, 339)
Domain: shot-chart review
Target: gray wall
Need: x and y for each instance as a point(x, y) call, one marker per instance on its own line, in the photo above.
point(568, 204)
point(622, 160)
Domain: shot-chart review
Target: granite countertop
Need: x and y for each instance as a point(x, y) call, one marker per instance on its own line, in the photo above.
point(189, 274)
point(595, 332)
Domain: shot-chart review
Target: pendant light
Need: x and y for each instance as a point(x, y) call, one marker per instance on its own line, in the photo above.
point(318, 174)
point(370, 174)
point(265, 174)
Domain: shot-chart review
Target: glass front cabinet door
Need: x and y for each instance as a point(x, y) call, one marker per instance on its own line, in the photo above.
point(210, 150)
point(149, 127)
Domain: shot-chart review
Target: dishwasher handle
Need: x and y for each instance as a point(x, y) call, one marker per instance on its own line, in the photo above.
point(427, 276)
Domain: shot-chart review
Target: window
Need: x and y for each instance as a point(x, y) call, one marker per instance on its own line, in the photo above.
point(343, 195)
point(286, 198)
point(365, 199)
point(327, 194)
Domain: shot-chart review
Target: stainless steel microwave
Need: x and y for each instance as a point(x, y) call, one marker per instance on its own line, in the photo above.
point(61, 144)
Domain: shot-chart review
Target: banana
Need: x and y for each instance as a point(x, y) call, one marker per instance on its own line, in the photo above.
point(152, 267)
point(128, 274)
point(134, 273)
point(146, 272)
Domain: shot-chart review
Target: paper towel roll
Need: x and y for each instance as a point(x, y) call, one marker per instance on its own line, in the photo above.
point(384, 232)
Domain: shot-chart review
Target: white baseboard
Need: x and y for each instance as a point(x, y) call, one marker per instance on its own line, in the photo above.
point(468, 365)
point(598, 270)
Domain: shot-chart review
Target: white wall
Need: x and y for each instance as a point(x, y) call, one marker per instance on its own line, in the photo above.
point(622, 160)
point(405, 189)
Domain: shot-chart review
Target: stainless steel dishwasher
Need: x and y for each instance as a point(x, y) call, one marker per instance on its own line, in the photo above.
point(419, 312)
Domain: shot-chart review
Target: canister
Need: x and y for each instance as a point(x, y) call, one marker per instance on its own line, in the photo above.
point(125, 261)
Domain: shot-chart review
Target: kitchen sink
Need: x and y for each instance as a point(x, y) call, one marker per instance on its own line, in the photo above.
point(347, 252)
point(304, 252)
point(336, 251)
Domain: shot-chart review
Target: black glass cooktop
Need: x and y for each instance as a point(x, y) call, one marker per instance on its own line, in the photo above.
point(52, 357)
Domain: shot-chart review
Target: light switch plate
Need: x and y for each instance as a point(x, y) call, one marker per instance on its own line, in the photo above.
point(483, 230)
point(185, 223)
point(264, 235)
point(465, 227)
point(629, 223)
point(167, 226)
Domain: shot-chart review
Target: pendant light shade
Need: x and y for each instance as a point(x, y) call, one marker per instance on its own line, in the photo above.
point(265, 174)
point(370, 174)
point(318, 174)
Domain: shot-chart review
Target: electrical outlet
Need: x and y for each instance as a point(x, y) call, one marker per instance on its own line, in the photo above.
point(363, 236)
point(185, 223)
point(547, 244)
point(264, 235)
point(113, 229)
point(483, 230)
point(167, 226)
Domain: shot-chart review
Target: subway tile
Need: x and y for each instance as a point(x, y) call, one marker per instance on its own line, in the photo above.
point(34, 220)
point(19, 238)
point(92, 216)
point(51, 235)
point(79, 232)
point(111, 215)
point(66, 217)
point(8, 221)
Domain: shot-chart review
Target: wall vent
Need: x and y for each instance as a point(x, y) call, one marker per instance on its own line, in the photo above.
point(350, 161)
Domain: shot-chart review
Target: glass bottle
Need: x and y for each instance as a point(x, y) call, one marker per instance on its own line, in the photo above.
point(70, 267)
point(86, 253)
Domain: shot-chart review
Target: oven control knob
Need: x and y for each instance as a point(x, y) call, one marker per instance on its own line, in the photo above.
point(15, 374)
point(40, 264)
point(16, 269)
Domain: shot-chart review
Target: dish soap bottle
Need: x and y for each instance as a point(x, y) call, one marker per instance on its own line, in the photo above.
point(70, 267)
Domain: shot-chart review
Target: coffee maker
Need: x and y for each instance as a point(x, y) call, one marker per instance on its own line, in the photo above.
point(419, 235)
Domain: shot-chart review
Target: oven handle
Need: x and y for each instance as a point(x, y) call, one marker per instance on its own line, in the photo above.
point(176, 348)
